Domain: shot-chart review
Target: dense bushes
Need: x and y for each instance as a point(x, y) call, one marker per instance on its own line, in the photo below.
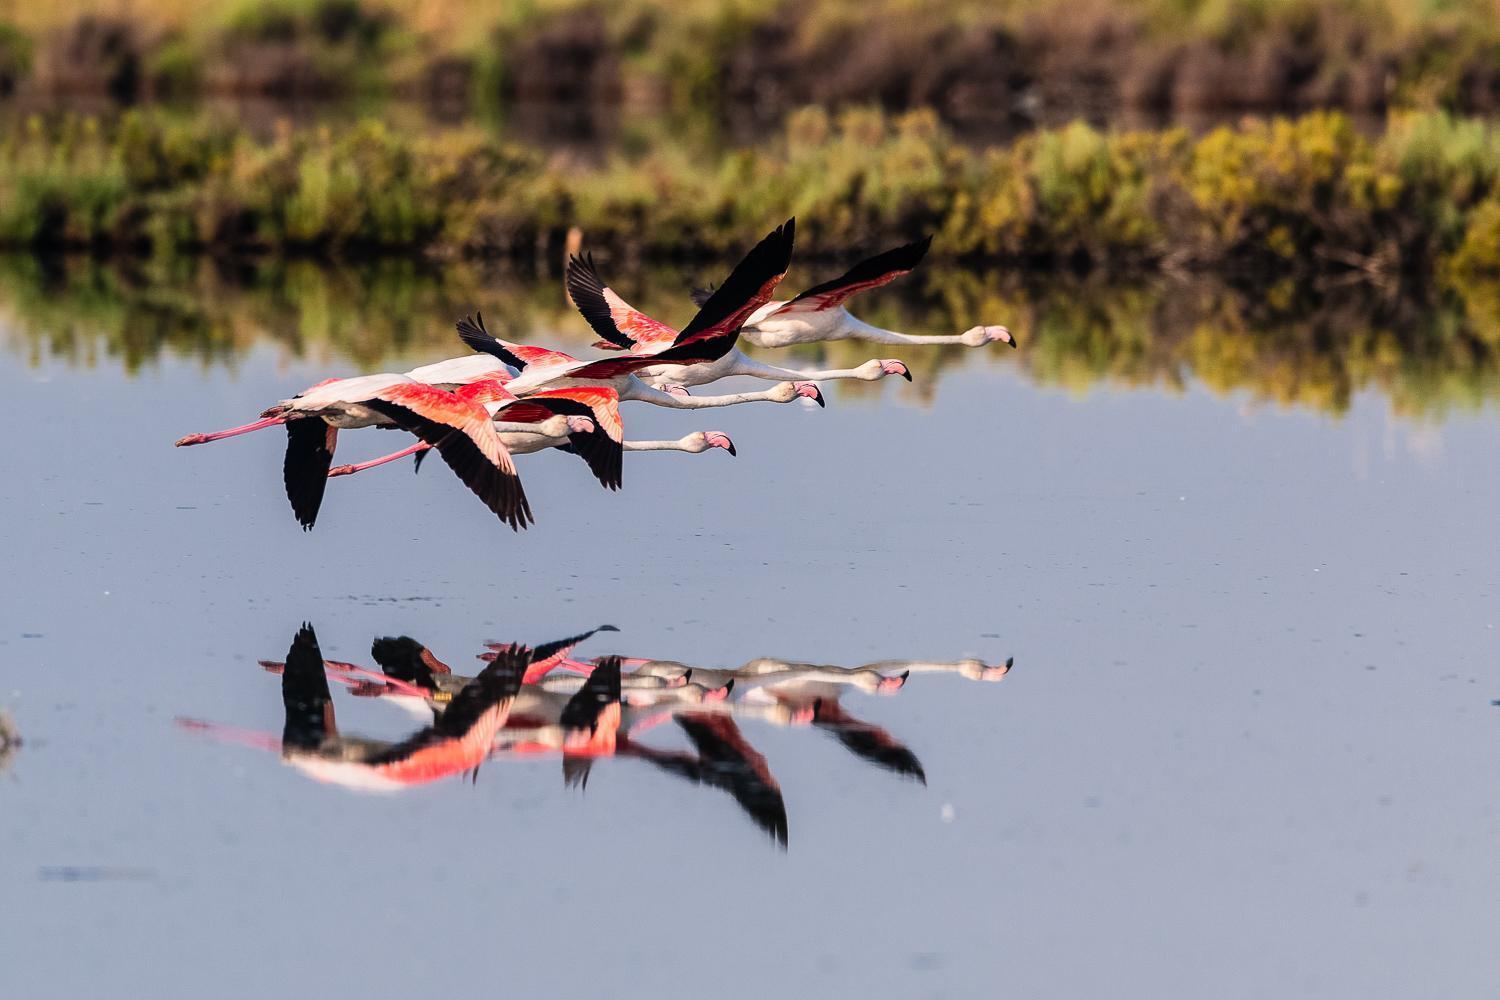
point(1303, 196)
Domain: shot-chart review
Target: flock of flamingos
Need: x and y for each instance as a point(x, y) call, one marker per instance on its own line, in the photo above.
point(508, 399)
point(536, 702)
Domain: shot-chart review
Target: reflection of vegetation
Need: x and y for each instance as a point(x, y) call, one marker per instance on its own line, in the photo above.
point(1305, 196)
point(1286, 347)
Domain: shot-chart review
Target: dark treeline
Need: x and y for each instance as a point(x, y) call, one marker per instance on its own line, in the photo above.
point(966, 58)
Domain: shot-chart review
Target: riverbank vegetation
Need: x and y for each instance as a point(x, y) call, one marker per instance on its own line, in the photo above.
point(1311, 197)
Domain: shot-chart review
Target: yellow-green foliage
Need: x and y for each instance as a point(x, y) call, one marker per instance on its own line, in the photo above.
point(1300, 195)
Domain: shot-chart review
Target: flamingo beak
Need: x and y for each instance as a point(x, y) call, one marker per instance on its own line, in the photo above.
point(676, 390)
point(717, 439)
point(811, 391)
point(997, 672)
point(890, 685)
point(1002, 333)
point(580, 425)
point(891, 366)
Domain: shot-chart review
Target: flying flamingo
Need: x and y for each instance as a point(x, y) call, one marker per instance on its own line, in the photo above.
point(453, 422)
point(623, 327)
point(818, 314)
point(585, 419)
point(710, 336)
point(600, 448)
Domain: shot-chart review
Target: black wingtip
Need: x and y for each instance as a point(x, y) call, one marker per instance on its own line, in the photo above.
point(767, 260)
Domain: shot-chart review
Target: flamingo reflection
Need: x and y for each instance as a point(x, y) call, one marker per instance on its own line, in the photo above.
point(530, 702)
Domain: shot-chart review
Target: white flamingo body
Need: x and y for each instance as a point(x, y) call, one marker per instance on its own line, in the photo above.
point(737, 362)
point(770, 327)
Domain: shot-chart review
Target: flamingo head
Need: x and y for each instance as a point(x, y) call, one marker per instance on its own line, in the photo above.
point(809, 390)
point(891, 366)
point(978, 670)
point(673, 389)
point(978, 336)
point(890, 685)
point(581, 425)
point(717, 439)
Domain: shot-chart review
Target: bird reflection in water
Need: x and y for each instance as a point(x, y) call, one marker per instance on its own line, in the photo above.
point(10, 741)
point(529, 702)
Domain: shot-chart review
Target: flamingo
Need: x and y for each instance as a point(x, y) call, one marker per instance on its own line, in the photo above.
point(456, 742)
point(818, 314)
point(709, 337)
point(453, 422)
point(623, 327)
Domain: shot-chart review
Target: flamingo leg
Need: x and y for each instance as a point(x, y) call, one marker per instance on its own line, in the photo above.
point(231, 734)
point(349, 470)
point(261, 424)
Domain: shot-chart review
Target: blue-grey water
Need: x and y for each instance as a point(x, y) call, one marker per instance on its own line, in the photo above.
point(1247, 748)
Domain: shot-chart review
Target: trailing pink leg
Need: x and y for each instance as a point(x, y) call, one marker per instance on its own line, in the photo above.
point(349, 470)
point(260, 424)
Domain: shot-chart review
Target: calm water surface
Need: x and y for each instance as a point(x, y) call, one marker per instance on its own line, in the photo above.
point(1247, 748)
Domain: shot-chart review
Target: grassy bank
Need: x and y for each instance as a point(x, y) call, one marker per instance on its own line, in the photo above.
point(1310, 197)
point(1314, 352)
point(969, 58)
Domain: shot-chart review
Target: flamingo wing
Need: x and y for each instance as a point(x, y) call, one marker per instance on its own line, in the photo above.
point(621, 325)
point(591, 707)
point(867, 740)
point(603, 448)
point(460, 738)
point(304, 694)
point(872, 273)
point(749, 286)
point(716, 327)
point(731, 763)
point(405, 659)
point(309, 454)
point(461, 432)
point(548, 655)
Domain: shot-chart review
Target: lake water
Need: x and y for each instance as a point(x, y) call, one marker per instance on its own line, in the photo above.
point(1246, 750)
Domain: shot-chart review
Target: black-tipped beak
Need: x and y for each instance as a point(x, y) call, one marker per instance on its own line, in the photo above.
point(1013, 342)
point(687, 675)
point(731, 450)
point(729, 685)
point(820, 400)
point(906, 374)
